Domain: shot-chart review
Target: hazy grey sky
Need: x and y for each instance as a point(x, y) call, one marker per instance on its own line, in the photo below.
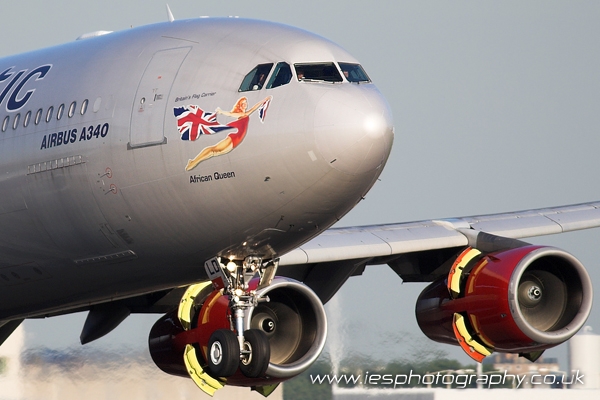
point(496, 108)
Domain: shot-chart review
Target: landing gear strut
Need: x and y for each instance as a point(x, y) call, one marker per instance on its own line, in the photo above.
point(249, 350)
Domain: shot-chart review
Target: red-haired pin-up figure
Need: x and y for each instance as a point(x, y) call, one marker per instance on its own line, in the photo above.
point(233, 139)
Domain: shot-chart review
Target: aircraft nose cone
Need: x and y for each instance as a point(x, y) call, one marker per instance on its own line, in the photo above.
point(353, 129)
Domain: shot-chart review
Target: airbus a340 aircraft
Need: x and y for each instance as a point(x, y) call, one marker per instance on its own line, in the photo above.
point(192, 168)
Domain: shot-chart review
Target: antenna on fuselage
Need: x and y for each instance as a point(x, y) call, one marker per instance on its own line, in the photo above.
point(170, 14)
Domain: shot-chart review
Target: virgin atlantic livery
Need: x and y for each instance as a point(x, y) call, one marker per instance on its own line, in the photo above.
point(193, 168)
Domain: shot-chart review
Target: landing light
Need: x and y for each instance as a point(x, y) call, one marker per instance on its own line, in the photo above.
point(231, 266)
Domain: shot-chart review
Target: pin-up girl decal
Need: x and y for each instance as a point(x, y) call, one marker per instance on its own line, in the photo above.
point(193, 122)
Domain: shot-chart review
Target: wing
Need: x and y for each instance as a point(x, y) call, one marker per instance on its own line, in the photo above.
point(419, 251)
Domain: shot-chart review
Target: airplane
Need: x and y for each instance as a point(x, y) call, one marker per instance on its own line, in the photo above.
point(191, 169)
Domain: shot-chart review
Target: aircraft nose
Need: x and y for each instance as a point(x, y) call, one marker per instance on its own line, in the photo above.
point(353, 129)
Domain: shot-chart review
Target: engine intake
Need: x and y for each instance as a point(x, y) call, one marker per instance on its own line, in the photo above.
point(522, 300)
point(295, 322)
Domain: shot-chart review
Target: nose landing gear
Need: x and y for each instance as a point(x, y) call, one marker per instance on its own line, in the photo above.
point(249, 349)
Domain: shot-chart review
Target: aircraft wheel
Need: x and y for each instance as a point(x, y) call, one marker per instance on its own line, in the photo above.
point(254, 363)
point(223, 353)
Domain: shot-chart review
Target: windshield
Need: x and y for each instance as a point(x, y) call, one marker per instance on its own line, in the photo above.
point(318, 72)
point(255, 79)
point(354, 72)
point(281, 76)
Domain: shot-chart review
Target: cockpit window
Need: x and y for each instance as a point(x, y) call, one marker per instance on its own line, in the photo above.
point(281, 76)
point(318, 72)
point(354, 72)
point(256, 78)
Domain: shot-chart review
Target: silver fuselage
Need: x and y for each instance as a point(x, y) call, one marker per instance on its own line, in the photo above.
point(97, 206)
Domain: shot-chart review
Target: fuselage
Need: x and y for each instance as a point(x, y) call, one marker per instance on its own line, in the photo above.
point(96, 201)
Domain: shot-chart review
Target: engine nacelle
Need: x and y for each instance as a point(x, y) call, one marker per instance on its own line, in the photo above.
point(522, 300)
point(295, 322)
point(293, 319)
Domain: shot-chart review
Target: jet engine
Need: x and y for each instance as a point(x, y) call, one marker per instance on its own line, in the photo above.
point(522, 300)
point(288, 314)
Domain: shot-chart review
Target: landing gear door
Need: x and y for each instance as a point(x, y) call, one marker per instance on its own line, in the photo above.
point(150, 103)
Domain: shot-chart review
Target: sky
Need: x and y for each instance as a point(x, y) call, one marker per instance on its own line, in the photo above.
point(496, 108)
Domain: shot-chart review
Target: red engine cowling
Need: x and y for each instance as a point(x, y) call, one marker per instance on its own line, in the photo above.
point(522, 300)
point(293, 319)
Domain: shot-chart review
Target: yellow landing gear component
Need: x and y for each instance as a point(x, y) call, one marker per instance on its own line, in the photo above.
point(187, 302)
point(205, 382)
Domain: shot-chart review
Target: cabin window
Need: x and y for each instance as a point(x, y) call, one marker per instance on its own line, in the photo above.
point(27, 119)
point(16, 120)
point(256, 78)
point(38, 116)
point(5, 123)
point(354, 73)
point(60, 111)
point(318, 72)
point(84, 106)
point(281, 76)
point(72, 109)
point(49, 113)
point(97, 104)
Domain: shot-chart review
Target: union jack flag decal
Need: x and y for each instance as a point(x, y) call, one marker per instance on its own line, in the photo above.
point(262, 110)
point(192, 122)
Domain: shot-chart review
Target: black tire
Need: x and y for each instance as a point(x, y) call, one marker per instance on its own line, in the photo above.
point(223, 356)
point(255, 364)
